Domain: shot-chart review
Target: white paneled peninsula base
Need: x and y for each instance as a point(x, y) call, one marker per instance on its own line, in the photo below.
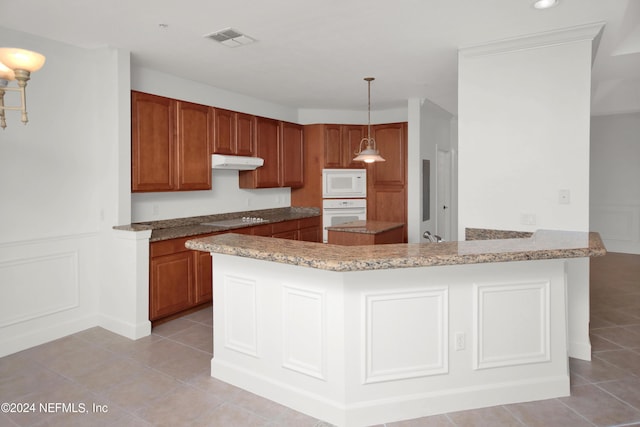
point(346, 335)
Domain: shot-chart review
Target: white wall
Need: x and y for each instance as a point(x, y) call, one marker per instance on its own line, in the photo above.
point(224, 196)
point(56, 202)
point(524, 132)
point(523, 114)
point(615, 178)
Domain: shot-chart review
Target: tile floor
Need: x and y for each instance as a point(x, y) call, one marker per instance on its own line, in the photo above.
point(163, 379)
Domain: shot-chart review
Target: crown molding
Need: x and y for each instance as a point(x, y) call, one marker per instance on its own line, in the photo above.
point(587, 32)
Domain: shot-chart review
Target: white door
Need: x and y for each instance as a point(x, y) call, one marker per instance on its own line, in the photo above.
point(444, 171)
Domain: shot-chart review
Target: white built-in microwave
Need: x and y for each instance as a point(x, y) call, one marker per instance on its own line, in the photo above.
point(344, 183)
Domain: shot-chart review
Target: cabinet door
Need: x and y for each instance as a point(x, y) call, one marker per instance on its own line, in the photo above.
point(204, 277)
point(350, 137)
point(153, 143)
point(224, 131)
point(291, 155)
point(245, 135)
point(390, 140)
point(311, 234)
point(333, 152)
point(386, 188)
point(267, 176)
point(194, 155)
point(171, 284)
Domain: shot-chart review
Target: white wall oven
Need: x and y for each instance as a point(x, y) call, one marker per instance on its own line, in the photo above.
point(339, 211)
point(344, 183)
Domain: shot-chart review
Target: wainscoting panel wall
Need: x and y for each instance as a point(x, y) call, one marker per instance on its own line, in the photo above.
point(241, 317)
point(304, 331)
point(48, 289)
point(512, 324)
point(392, 355)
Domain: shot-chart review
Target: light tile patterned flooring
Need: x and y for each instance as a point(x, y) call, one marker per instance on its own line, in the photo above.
point(163, 379)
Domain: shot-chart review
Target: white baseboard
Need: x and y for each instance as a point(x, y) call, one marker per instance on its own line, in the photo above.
point(397, 408)
point(126, 329)
point(23, 341)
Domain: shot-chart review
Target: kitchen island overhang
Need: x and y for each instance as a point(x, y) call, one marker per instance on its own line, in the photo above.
point(358, 336)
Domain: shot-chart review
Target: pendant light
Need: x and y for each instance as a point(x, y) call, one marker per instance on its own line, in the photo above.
point(370, 153)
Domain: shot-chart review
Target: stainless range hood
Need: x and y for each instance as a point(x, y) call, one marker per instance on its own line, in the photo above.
point(242, 163)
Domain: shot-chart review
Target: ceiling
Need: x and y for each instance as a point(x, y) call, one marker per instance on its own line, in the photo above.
point(315, 53)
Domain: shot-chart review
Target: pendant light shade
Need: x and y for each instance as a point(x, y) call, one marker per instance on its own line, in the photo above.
point(369, 153)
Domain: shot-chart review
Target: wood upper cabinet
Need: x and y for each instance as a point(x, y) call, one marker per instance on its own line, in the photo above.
point(341, 142)
point(267, 142)
point(391, 142)
point(170, 144)
point(233, 133)
point(153, 143)
point(291, 155)
point(224, 132)
point(333, 150)
point(194, 155)
point(245, 134)
point(351, 137)
point(281, 145)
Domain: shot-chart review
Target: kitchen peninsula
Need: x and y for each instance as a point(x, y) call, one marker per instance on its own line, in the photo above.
point(363, 335)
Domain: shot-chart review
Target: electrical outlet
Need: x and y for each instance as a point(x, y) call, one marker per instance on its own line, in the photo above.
point(460, 341)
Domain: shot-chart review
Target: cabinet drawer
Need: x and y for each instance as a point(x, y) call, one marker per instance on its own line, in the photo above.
point(172, 246)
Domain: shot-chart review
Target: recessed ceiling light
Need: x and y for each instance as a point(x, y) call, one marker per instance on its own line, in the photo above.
point(545, 4)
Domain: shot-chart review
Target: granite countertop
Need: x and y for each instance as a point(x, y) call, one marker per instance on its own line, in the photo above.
point(365, 227)
point(543, 244)
point(193, 226)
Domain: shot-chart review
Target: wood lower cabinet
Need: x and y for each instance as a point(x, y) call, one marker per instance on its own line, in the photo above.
point(171, 285)
point(310, 229)
point(179, 278)
point(204, 278)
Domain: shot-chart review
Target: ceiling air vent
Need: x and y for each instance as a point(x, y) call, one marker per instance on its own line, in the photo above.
point(230, 37)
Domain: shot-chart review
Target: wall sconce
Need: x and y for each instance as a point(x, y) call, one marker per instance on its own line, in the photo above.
point(17, 64)
point(370, 153)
